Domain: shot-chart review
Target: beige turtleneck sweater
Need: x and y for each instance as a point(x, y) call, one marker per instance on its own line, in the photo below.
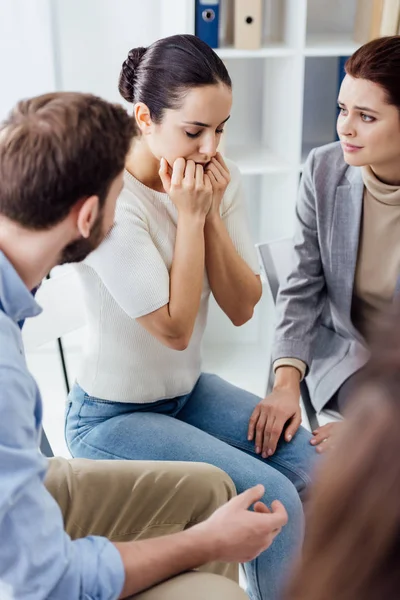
point(378, 260)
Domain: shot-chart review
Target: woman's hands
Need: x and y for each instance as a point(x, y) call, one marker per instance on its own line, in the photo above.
point(325, 437)
point(278, 411)
point(220, 177)
point(194, 189)
point(188, 186)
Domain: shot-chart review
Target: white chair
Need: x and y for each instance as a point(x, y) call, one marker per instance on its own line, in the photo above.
point(60, 297)
point(276, 261)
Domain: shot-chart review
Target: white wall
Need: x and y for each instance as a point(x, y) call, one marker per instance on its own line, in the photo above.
point(77, 44)
point(26, 57)
point(94, 37)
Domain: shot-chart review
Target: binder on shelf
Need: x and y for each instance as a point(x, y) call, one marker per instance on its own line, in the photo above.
point(390, 18)
point(377, 10)
point(248, 24)
point(207, 21)
point(341, 75)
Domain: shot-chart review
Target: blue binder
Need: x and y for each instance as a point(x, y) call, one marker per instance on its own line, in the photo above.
point(341, 75)
point(207, 21)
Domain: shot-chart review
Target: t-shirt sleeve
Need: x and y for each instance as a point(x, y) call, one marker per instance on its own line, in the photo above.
point(130, 265)
point(235, 217)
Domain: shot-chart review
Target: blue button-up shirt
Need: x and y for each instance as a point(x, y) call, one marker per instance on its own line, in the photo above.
point(38, 560)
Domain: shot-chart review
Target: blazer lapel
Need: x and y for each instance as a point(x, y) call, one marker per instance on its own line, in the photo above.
point(345, 236)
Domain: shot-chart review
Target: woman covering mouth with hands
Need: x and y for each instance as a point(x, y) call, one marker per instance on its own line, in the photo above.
point(180, 234)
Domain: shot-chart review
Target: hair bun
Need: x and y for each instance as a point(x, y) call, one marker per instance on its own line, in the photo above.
point(128, 73)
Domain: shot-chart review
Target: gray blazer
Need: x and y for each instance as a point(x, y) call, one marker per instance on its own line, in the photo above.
point(314, 305)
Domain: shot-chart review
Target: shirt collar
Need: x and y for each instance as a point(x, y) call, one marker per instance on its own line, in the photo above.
point(16, 300)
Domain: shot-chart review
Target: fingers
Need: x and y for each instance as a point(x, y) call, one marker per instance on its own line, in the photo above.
point(324, 446)
point(260, 429)
point(218, 157)
point(199, 176)
point(272, 433)
point(272, 522)
point(249, 497)
point(207, 183)
point(260, 507)
point(293, 426)
point(164, 175)
point(252, 423)
point(178, 172)
point(278, 509)
point(318, 439)
point(190, 170)
point(215, 173)
point(320, 434)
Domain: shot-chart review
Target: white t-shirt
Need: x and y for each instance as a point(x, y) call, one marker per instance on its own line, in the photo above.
point(128, 277)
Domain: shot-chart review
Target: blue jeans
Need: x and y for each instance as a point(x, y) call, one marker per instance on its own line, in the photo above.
point(208, 425)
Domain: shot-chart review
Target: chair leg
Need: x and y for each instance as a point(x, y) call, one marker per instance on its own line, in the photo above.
point(63, 364)
point(45, 447)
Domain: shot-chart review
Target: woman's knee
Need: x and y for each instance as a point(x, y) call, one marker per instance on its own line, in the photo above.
point(279, 487)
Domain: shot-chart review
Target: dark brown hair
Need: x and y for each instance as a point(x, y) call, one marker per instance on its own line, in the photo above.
point(352, 546)
point(160, 75)
point(56, 149)
point(379, 61)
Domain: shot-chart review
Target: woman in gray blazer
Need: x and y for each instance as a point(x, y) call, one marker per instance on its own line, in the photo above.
point(346, 254)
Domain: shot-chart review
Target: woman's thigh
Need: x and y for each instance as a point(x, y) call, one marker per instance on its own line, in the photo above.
point(223, 410)
point(154, 436)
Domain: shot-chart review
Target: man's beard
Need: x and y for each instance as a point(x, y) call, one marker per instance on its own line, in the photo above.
point(78, 250)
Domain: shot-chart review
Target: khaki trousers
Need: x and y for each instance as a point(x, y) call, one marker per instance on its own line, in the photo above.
point(134, 500)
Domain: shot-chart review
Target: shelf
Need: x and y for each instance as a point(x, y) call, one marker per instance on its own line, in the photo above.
point(256, 160)
point(243, 365)
point(329, 44)
point(272, 50)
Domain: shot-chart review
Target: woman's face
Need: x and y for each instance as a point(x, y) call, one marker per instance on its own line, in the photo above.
point(194, 130)
point(368, 127)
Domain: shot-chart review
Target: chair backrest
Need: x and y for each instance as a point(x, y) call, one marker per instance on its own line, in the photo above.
point(276, 261)
point(63, 309)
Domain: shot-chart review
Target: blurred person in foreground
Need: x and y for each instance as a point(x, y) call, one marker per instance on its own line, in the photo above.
point(352, 547)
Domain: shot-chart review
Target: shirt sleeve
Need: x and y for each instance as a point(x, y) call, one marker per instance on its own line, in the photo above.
point(130, 265)
point(37, 558)
point(234, 215)
point(291, 362)
point(302, 296)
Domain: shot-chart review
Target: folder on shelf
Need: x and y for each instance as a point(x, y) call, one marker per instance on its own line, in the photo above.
point(207, 21)
point(367, 25)
point(377, 10)
point(390, 18)
point(341, 75)
point(248, 24)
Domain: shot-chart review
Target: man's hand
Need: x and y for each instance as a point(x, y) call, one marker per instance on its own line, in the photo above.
point(325, 437)
point(238, 534)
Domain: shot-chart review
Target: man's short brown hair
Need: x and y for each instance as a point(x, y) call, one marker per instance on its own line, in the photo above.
point(56, 149)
